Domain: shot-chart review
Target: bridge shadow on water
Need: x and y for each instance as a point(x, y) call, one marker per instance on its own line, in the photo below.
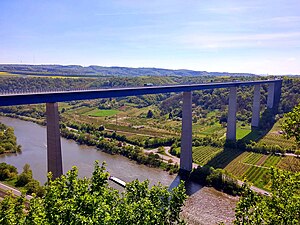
point(190, 186)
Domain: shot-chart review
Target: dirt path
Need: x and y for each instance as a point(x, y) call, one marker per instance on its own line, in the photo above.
point(167, 156)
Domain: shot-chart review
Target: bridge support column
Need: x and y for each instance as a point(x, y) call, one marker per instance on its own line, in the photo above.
point(54, 156)
point(231, 120)
point(186, 134)
point(271, 92)
point(256, 107)
point(277, 95)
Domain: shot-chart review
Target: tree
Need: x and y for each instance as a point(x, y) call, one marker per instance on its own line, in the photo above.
point(150, 114)
point(291, 125)
point(33, 186)
point(73, 200)
point(280, 207)
point(25, 177)
point(7, 171)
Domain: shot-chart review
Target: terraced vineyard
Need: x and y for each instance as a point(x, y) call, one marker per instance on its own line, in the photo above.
point(290, 163)
point(254, 167)
point(275, 137)
point(272, 160)
point(278, 139)
point(258, 176)
point(224, 158)
point(253, 158)
point(238, 168)
point(203, 154)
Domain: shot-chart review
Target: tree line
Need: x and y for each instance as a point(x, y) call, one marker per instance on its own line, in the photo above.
point(8, 140)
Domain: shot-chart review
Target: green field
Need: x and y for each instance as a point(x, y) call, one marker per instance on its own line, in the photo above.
point(102, 112)
point(212, 130)
point(242, 132)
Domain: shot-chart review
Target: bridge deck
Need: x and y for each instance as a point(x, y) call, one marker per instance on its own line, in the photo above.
point(62, 96)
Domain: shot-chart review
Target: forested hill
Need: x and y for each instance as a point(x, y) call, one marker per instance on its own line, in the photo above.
point(76, 70)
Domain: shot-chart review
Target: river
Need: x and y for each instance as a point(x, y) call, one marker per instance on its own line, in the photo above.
point(205, 206)
point(32, 138)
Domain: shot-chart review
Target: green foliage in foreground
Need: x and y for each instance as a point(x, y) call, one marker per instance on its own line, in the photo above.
point(291, 124)
point(71, 200)
point(281, 207)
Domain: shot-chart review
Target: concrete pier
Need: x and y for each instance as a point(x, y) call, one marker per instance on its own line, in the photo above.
point(54, 156)
point(271, 92)
point(256, 107)
point(186, 133)
point(277, 95)
point(231, 120)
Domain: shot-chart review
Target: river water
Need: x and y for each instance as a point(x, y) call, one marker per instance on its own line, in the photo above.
point(205, 205)
point(32, 138)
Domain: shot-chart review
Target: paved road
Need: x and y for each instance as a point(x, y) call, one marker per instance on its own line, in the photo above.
point(6, 188)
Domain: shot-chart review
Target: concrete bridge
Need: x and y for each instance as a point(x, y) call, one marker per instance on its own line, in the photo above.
point(54, 156)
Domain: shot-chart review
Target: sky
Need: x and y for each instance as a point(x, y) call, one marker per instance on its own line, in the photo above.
point(257, 36)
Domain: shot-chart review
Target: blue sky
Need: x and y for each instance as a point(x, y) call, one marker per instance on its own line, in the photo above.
point(257, 36)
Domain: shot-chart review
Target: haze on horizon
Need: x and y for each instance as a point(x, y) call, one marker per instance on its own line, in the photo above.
point(261, 37)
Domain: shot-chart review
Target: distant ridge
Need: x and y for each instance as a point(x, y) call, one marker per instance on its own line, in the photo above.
point(77, 70)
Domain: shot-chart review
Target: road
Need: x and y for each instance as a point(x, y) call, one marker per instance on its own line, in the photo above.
point(6, 188)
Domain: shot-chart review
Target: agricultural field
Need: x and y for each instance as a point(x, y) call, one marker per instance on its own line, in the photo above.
point(242, 132)
point(236, 167)
point(203, 154)
point(290, 163)
point(102, 112)
point(127, 120)
point(255, 167)
point(276, 137)
point(212, 130)
point(224, 158)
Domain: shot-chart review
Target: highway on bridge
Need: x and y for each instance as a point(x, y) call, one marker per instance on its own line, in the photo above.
point(21, 98)
point(54, 156)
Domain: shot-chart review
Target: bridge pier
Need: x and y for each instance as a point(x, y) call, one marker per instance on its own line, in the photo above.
point(277, 95)
point(256, 107)
point(186, 134)
point(231, 120)
point(54, 156)
point(271, 92)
